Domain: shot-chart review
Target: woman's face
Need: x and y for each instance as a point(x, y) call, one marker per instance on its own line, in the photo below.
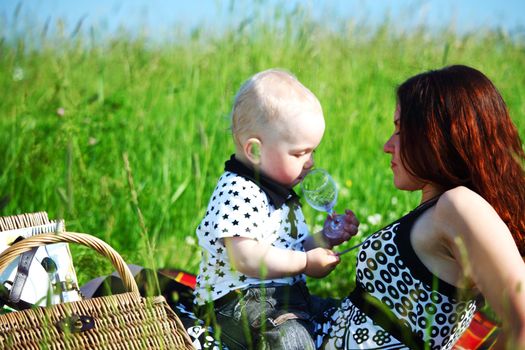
point(403, 180)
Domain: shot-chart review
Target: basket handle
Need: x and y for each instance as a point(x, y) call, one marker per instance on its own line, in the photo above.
point(101, 247)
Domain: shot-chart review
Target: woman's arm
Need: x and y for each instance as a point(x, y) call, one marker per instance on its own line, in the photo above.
point(261, 260)
point(316, 240)
point(484, 247)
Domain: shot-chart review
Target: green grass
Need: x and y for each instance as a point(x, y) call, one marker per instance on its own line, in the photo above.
point(144, 131)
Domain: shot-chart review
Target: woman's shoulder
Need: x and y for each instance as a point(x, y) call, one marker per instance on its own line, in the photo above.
point(463, 204)
point(461, 197)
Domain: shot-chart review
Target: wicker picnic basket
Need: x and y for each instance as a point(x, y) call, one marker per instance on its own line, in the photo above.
point(121, 321)
point(24, 220)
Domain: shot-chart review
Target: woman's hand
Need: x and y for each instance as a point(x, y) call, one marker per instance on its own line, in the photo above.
point(347, 229)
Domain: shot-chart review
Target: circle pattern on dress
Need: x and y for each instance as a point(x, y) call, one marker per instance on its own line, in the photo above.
point(436, 318)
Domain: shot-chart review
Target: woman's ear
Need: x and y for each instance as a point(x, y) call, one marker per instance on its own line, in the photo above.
point(252, 150)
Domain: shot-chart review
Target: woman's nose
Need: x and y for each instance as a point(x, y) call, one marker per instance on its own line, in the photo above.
point(388, 147)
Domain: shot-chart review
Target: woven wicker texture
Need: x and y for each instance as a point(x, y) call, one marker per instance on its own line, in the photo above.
point(123, 321)
point(23, 220)
point(71, 237)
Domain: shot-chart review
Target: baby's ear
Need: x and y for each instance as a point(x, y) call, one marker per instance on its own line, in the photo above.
point(252, 150)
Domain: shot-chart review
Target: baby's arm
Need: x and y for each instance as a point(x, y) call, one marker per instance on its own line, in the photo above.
point(261, 260)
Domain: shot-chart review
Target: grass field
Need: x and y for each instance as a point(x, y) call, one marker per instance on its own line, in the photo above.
point(125, 139)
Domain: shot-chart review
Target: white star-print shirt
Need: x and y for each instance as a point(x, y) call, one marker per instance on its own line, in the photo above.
point(240, 208)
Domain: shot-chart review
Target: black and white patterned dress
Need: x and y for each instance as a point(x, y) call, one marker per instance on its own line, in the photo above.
point(398, 303)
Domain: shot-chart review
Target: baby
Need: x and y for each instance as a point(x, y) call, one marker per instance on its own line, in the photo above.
point(256, 248)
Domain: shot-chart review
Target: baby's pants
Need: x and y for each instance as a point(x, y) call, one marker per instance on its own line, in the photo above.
point(270, 317)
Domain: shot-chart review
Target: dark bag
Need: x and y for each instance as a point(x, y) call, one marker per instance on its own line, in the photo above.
point(175, 285)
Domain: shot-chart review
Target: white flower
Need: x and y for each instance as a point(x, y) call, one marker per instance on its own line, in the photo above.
point(374, 219)
point(363, 228)
point(344, 192)
point(394, 201)
point(190, 240)
point(18, 74)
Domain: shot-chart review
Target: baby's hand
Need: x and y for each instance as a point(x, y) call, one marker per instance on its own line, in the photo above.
point(320, 262)
point(346, 226)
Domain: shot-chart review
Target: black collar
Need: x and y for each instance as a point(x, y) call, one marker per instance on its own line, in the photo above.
point(278, 193)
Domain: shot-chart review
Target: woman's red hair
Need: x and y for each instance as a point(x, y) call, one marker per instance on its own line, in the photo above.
point(456, 130)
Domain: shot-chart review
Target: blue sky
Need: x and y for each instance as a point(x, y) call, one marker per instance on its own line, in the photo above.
point(158, 17)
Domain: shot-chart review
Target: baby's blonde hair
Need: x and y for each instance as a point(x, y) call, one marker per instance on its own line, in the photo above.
point(266, 97)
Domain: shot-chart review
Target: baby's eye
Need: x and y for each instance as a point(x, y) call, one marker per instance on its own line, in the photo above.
point(300, 154)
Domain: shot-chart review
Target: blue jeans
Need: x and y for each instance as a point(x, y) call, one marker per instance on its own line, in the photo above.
point(270, 317)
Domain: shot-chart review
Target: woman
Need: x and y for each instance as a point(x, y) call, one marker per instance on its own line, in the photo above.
point(421, 278)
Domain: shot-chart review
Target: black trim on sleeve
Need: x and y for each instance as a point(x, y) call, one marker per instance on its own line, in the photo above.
point(417, 268)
